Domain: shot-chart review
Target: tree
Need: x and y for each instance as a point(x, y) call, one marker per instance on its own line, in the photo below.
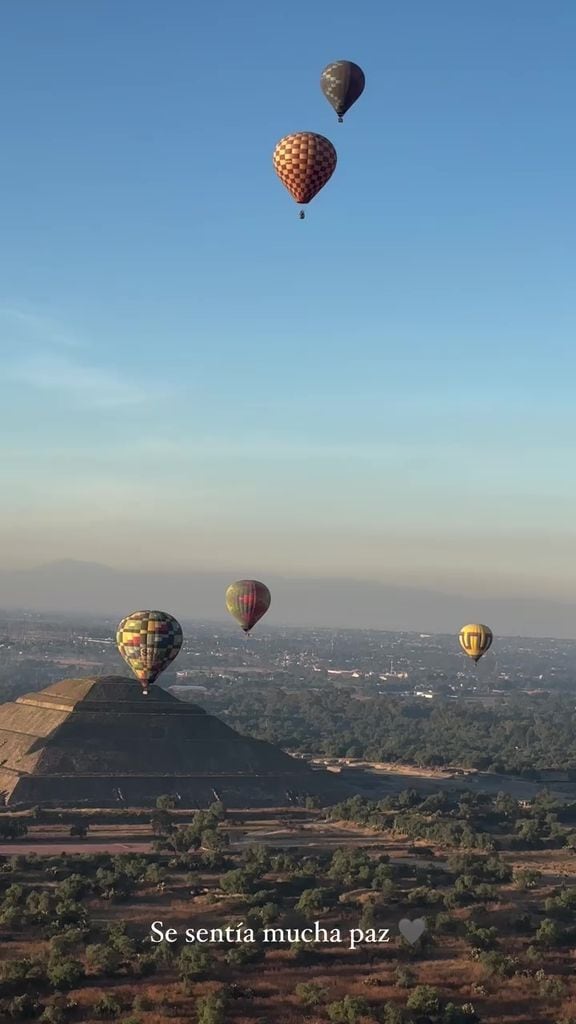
point(154, 874)
point(162, 823)
point(497, 964)
point(73, 888)
point(211, 1009)
point(217, 810)
point(39, 906)
point(64, 974)
point(14, 895)
point(118, 940)
point(12, 828)
point(265, 914)
point(114, 884)
point(424, 896)
point(482, 938)
point(507, 806)
point(527, 879)
point(184, 839)
point(382, 876)
point(108, 1006)
point(465, 1014)
point(312, 901)
point(53, 1015)
point(310, 993)
point(549, 934)
point(240, 955)
point(144, 966)
point(529, 833)
point(351, 866)
point(237, 881)
point(423, 999)
point(392, 1014)
point(102, 959)
point(166, 802)
point(23, 1007)
point(194, 963)
point(260, 860)
point(66, 941)
point(347, 1010)
point(212, 839)
point(11, 917)
point(368, 916)
point(69, 912)
point(404, 977)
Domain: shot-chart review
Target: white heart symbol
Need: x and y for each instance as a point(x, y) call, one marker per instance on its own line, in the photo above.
point(412, 930)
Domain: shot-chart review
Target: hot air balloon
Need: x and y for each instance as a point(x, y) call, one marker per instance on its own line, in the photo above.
point(148, 641)
point(475, 640)
point(342, 84)
point(247, 601)
point(304, 163)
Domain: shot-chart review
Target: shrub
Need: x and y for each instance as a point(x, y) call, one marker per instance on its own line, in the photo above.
point(310, 993)
point(53, 1015)
point(108, 1006)
point(347, 1010)
point(404, 977)
point(23, 1008)
point(64, 974)
point(211, 1009)
point(424, 999)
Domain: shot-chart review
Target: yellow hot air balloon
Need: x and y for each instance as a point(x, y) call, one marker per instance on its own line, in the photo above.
point(475, 639)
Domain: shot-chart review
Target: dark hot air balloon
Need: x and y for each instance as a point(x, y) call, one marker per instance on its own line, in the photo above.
point(342, 84)
point(304, 163)
point(247, 601)
point(475, 639)
point(148, 641)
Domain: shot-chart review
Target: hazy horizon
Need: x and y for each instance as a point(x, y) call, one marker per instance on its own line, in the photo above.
point(69, 587)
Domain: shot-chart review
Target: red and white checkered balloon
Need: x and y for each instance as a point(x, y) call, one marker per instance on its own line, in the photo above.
point(304, 162)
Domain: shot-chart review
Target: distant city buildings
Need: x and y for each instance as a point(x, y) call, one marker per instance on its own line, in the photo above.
point(35, 650)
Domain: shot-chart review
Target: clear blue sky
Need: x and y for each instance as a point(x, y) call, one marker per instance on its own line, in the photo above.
point(385, 390)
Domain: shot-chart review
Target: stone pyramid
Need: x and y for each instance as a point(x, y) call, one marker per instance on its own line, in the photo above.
point(99, 742)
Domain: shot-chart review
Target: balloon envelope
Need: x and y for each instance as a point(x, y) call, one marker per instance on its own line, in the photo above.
point(475, 639)
point(304, 163)
point(342, 84)
point(247, 601)
point(148, 641)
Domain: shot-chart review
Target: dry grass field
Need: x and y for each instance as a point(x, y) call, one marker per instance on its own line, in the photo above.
point(542, 988)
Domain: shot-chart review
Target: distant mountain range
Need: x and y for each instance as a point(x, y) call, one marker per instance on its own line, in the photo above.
point(87, 587)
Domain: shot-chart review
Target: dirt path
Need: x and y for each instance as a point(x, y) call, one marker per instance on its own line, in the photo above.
point(64, 845)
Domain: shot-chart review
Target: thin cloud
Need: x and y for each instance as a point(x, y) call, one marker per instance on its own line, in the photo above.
point(18, 326)
point(85, 385)
point(45, 356)
point(270, 448)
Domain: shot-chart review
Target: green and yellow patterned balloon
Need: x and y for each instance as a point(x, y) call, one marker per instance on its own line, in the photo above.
point(148, 641)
